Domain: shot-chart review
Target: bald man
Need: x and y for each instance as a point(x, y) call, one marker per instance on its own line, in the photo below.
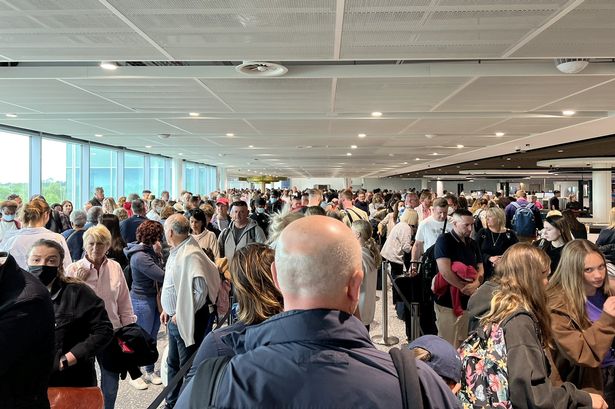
point(315, 353)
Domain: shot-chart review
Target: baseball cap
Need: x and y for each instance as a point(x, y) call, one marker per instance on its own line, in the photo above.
point(222, 200)
point(444, 360)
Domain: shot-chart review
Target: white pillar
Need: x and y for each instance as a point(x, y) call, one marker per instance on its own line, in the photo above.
point(601, 193)
point(177, 178)
point(440, 188)
point(424, 183)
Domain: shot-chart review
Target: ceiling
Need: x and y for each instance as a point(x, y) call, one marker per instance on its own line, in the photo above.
point(446, 74)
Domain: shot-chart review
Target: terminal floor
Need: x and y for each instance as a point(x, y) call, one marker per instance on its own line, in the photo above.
point(130, 398)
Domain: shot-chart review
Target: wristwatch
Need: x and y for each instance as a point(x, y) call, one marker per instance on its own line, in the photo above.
point(64, 362)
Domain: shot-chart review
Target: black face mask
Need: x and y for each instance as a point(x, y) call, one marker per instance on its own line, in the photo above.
point(44, 273)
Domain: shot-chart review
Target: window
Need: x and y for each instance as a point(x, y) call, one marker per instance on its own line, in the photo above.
point(61, 171)
point(156, 175)
point(134, 177)
point(15, 165)
point(103, 170)
point(207, 179)
point(190, 177)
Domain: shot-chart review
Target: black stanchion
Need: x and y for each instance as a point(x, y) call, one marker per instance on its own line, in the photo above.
point(385, 339)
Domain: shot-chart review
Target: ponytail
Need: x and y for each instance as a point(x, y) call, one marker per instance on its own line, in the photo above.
point(34, 211)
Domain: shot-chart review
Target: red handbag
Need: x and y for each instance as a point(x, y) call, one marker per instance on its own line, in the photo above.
point(75, 398)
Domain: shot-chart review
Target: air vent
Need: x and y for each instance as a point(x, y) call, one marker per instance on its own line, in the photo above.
point(261, 69)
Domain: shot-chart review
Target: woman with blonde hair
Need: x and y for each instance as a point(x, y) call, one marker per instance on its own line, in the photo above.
point(583, 320)
point(400, 240)
point(494, 239)
point(106, 278)
point(258, 298)
point(108, 205)
point(370, 256)
point(34, 215)
point(279, 221)
point(519, 308)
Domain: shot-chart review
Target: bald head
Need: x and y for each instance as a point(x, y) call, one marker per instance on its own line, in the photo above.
point(318, 265)
point(176, 229)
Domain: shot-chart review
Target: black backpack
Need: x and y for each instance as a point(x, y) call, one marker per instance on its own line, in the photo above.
point(429, 266)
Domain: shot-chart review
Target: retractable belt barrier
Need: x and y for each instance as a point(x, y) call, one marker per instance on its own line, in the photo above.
point(384, 339)
point(412, 306)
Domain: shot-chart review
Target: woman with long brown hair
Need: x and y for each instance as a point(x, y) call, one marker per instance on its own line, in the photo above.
point(583, 320)
point(519, 307)
point(257, 296)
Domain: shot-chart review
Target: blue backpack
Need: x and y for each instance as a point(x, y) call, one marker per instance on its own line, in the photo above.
point(523, 221)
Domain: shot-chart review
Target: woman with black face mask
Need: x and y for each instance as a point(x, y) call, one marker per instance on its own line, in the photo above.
point(82, 326)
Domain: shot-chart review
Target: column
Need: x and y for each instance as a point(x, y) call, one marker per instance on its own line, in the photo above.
point(424, 184)
point(177, 178)
point(440, 188)
point(601, 193)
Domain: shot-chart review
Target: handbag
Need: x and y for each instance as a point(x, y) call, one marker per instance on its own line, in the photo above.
point(75, 398)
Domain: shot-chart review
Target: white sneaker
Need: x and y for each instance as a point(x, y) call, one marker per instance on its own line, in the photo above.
point(138, 384)
point(152, 378)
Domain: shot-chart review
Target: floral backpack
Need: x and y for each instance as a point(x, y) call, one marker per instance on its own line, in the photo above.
point(484, 381)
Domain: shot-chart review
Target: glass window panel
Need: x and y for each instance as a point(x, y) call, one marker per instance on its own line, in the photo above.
point(190, 177)
point(61, 171)
point(134, 176)
point(156, 175)
point(103, 170)
point(15, 165)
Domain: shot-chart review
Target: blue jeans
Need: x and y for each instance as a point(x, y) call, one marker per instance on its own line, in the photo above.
point(177, 357)
point(109, 382)
point(146, 310)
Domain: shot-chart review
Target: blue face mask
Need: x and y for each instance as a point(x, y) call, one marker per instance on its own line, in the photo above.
point(260, 210)
point(273, 200)
point(8, 217)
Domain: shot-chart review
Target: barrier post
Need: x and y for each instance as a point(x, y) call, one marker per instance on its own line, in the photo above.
point(384, 339)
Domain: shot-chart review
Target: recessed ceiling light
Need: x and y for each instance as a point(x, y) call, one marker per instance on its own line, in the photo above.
point(11, 116)
point(435, 154)
point(98, 135)
point(194, 114)
point(560, 150)
point(405, 163)
point(460, 146)
point(507, 158)
point(568, 112)
point(500, 134)
point(353, 146)
point(180, 154)
point(230, 134)
point(148, 146)
point(417, 158)
point(108, 65)
point(361, 135)
point(250, 146)
point(376, 113)
point(348, 154)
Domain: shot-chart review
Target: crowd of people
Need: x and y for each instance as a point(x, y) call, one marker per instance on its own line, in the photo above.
point(303, 268)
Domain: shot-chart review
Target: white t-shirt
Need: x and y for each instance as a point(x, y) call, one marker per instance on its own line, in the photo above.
point(430, 229)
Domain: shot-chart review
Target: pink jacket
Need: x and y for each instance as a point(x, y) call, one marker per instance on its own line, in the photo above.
point(440, 285)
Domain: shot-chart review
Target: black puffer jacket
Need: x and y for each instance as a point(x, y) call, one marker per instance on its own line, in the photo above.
point(82, 328)
point(26, 339)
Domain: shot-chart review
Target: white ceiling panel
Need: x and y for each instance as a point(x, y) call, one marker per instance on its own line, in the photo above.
point(214, 127)
point(292, 127)
point(393, 94)
point(150, 95)
point(515, 93)
point(426, 29)
point(455, 126)
point(527, 126)
point(68, 30)
point(595, 99)
point(134, 126)
point(57, 126)
point(236, 29)
point(274, 94)
point(53, 96)
point(372, 126)
point(586, 31)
